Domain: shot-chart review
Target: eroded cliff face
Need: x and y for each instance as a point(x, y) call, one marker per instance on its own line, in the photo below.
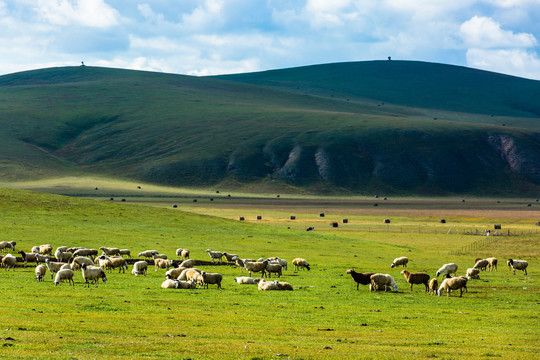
point(522, 158)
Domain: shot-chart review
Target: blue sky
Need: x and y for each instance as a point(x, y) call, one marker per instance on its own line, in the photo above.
point(228, 36)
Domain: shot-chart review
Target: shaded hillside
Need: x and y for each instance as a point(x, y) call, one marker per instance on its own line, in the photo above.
point(190, 131)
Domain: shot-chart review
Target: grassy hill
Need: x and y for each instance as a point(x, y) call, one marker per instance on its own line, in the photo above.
point(388, 126)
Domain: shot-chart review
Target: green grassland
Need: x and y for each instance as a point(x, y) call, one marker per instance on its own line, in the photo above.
point(324, 317)
point(333, 129)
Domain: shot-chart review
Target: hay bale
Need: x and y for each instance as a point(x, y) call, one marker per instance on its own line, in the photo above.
point(345, 221)
point(387, 221)
point(259, 217)
point(334, 224)
point(497, 227)
point(241, 218)
point(321, 215)
point(293, 217)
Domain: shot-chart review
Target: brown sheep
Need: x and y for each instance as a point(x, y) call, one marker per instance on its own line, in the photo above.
point(416, 278)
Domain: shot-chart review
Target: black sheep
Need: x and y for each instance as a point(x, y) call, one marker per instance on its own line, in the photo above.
point(360, 278)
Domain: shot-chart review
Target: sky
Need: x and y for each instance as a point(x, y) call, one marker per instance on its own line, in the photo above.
point(209, 37)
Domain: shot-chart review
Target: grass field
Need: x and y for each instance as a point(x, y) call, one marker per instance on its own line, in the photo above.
point(324, 317)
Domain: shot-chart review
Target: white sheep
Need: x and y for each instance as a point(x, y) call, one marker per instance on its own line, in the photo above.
point(433, 286)
point(454, 283)
point(65, 267)
point(125, 252)
point(110, 251)
point(300, 263)
point(190, 284)
point(148, 253)
point(268, 285)
point(114, 262)
point(5, 245)
point(211, 278)
point(400, 261)
point(272, 268)
point(255, 266)
point(85, 252)
point(62, 256)
point(53, 266)
point(280, 261)
point(79, 260)
point(45, 249)
point(175, 273)
point(140, 267)
point(214, 255)
point(182, 253)
point(446, 269)
point(492, 263)
point(188, 263)
point(230, 257)
point(9, 262)
point(159, 256)
point(472, 273)
point(40, 271)
point(246, 280)
point(163, 264)
point(65, 274)
point(92, 273)
point(169, 284)
point(43, 258)
point(481, 264)
point(190, 274)
point(518, 265)
point(382, 282)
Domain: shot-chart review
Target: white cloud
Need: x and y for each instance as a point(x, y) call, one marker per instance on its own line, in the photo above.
point(208, 15)
point(90, 13)
point(484, 32)
point(516, 62)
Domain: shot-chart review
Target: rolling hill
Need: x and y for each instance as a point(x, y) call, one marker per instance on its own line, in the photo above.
point(396, 127)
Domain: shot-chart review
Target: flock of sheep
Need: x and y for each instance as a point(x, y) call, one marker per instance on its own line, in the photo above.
point(66, 261)
point(378, 282)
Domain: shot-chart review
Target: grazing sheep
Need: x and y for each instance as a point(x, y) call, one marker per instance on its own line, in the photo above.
point(12, 243)
point(214, 255)
point(256, 266)
point(163, 264)
point(65, 274)
point(300, 263)
point(43, 258)
point(453, 283)
point(114, 262)
point(211, 278)
point(9, 262)
point(140, 267)
point(400, 261)
point(280, 261)
point(518, 265)
point(27, 257)
point(175, 273)
point(75, 248)
point(125, 252)
point(63, 249)
point(4, 245)
point(183, 253)
point(66, 267)
point(92, 273)
point(109, 251)
point(230, 257)
point(272, 268)
point(148, 253)
point(433, 286)
point(246, 280)
point(241, 262)
point(53, 266)
point(63, 256)
point(481, 264)
point(447, 269)
point(472, 273)
point(416, 278)
point(159, 256)
point(79, 260)
point(188, 263)
point(268, 285)
point(382, 282)
point(40, 271)
point(91, 253)
point(360, 278)
point(45, 249)
point(492, 263)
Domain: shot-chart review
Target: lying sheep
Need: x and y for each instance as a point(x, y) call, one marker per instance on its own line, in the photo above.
point(53, 266)
point(163, 264)
point(192, 273)
point(400, 261)
point(77, 262)
point(140, 267)
point(416, 278)
point(360, 278)
point(92, 274)
point(175, 273)
point(300, 263)
point(148, 254)
point(246, 280)
point(40, 271)
point(446, 269)
point(272, 268)
point(472, 273)
point(211, 278)
point(9, 262)
point(453, 283)
point(190, 284)
point(481, 264)
point(63, 275)
point(492, 263)
point(256, 266)
point(183, 253)
point(284, 285)
point(214, 255)
point(518, 265)
point(188, 263)
point(382, 282)
point(27, 257)
point(433, 286)
point(268, 285)
point(110, 251)
point(125, 252)
point(169, 284)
